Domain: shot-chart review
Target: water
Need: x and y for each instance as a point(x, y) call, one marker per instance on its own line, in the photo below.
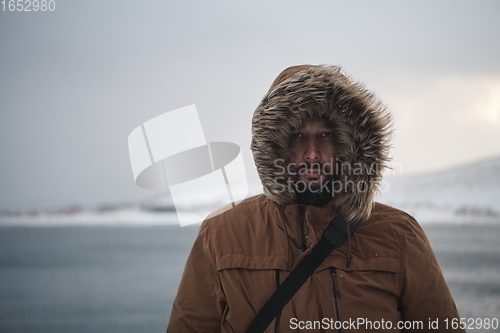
point(90, 279)
point(111, 279)
point(470, 259)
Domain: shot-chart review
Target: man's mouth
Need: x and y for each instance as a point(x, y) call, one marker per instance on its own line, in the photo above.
point(313, 173)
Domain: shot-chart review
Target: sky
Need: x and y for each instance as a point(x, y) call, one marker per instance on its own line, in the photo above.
point(76, 81)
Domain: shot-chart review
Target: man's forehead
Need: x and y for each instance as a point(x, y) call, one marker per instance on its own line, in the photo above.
point(315, 122)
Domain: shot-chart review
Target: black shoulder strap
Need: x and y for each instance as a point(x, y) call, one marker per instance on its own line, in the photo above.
point(334, 236)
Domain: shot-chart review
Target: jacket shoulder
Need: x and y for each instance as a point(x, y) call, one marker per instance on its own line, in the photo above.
point(241, 212)
point(384, 214)
point(389, 222)
point(249, 216)
point(379, 242)
point(246, 236)
point(238, 207)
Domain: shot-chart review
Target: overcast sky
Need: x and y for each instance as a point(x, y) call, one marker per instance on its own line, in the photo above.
point(76, 81)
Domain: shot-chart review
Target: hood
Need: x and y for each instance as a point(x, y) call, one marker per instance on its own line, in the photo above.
point(361, 127)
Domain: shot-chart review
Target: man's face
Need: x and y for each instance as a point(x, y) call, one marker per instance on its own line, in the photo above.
point(313, 153)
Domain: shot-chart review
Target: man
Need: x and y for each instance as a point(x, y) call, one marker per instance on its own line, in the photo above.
point(320, 143)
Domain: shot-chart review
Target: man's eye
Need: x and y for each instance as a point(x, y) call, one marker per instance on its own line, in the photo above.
point(295, 135)
point(327, 134)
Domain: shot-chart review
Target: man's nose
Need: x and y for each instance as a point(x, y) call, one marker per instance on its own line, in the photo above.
point(312, 152)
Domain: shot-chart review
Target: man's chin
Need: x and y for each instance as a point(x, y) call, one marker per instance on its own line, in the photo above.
point(313, 193)
point(313, 198)
point(313, 181)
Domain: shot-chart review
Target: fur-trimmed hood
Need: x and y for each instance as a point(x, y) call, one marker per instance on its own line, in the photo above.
point(361, 126)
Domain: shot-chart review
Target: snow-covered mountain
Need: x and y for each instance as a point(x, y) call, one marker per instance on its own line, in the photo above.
point(152, 211)
point(465, 194)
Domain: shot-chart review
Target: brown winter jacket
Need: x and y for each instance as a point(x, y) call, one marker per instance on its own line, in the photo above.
point(241, 256)
point(385, 272)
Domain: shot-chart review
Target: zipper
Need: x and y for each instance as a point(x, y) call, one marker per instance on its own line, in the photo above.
point(278, 317)
point(336, 294)
point(303, 237)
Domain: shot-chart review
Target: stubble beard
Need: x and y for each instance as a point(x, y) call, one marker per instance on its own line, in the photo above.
point(316, 193)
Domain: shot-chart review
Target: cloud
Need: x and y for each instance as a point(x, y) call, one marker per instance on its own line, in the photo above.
point(470, 99)
point(444, 119)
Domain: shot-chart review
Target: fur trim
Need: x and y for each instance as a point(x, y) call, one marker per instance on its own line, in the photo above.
point(361, 125)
